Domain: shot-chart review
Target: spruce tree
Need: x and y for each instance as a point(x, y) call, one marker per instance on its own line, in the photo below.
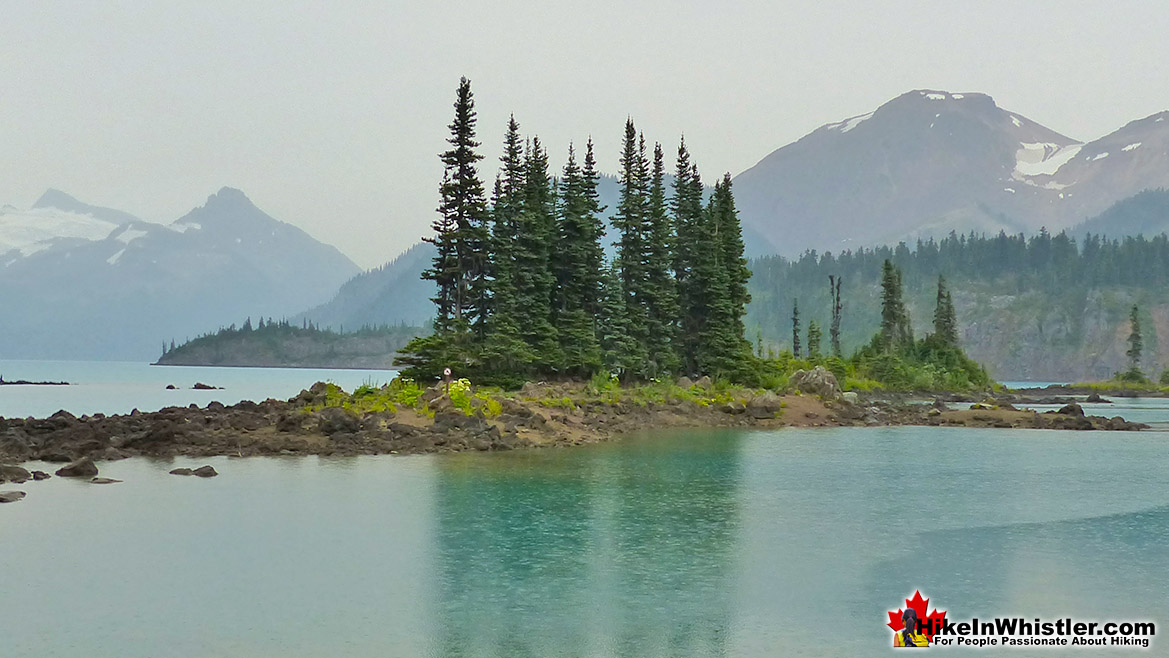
point(686, 207)
point(464, 210)
point(732, 249)
point(619, 350)
point(535, 231)
point(503, 349)
point(460, 266)
point(896, 331)
point(660, 291)
point(629, 221)
point(814, 338)
point(578, 267)
point(444, 269)
point(1135, 345)
point(796, 328)
point(945, 320)
point(837, 307)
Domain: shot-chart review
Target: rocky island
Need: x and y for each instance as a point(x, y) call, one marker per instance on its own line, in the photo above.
point(404, 418)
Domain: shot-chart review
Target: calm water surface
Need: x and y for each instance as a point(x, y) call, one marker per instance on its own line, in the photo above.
point(113, 387)
point(706, 544)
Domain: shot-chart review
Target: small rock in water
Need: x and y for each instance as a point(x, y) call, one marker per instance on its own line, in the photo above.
point(13, 474)
point(200, 386)
point(171, 387)
point(104, 481)
point(82, 468)
point(40, 475)
point(11, 496)
point(204, 472)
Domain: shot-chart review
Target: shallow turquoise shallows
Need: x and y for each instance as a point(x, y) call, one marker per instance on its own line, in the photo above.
point(784, 543)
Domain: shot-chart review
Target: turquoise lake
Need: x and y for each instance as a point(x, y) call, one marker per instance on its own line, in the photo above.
point(783, 543)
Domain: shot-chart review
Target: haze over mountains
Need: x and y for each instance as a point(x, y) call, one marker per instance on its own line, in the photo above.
point(928, 162)
point(79, 281)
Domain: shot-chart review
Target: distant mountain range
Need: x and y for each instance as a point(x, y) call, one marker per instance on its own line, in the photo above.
point(928, 162)
point(79, 281)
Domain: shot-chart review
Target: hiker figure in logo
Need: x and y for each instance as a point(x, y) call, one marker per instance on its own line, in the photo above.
point(908, 636)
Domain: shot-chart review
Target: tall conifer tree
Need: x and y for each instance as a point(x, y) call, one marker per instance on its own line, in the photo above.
point(578, 268)
point(1135, 344)
point(631, 245)
point(464, 210)
point(660, 289)
point(837, 307)
point(536, 228)
point(796, 328)
point(945, 321)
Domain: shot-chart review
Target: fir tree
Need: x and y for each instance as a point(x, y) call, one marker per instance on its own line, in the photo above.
point(796, 328)
point(837, 307)
point(945, 320)
point(730, 240)
point(814, 338)
point(619, 349)
point(465, 210)
point(578, 267)
point(686, 207)
point(631, 245)
point(660, 291)
point(536, 228)
point(503, 349)
point(896, 333)
point(460, 265)
point(722, 349)
point(1135, 344)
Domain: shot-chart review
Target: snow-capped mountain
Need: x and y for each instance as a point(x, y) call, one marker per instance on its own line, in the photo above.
point(84, 282)
point(56, 216)
point(928, 162)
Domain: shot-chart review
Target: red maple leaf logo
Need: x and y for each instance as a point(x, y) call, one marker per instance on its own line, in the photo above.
point(919, 606)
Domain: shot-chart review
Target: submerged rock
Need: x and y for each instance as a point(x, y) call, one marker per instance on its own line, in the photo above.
point(182, 471)
point(104, 481)
point(11, 496)
point(82, 468)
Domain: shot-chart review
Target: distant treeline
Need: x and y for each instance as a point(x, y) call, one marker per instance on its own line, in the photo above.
point(1000, 264)
point(279, 343)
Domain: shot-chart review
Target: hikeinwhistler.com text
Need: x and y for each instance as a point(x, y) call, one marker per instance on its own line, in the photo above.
point(1018, 632)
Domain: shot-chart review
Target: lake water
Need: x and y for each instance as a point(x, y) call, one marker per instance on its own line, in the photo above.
point(112, 387)
point(793, 542)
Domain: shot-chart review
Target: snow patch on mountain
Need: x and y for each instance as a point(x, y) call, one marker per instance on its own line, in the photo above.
point(1130, 147)
point(1042, 159)
point(849, 124)
point(130, 234)
point(31, 231)
point(1100, 156)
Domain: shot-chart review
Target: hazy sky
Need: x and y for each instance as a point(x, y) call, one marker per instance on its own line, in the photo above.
point(329, 115)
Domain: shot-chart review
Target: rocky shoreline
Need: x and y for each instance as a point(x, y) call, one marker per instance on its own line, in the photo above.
point(535, 417)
